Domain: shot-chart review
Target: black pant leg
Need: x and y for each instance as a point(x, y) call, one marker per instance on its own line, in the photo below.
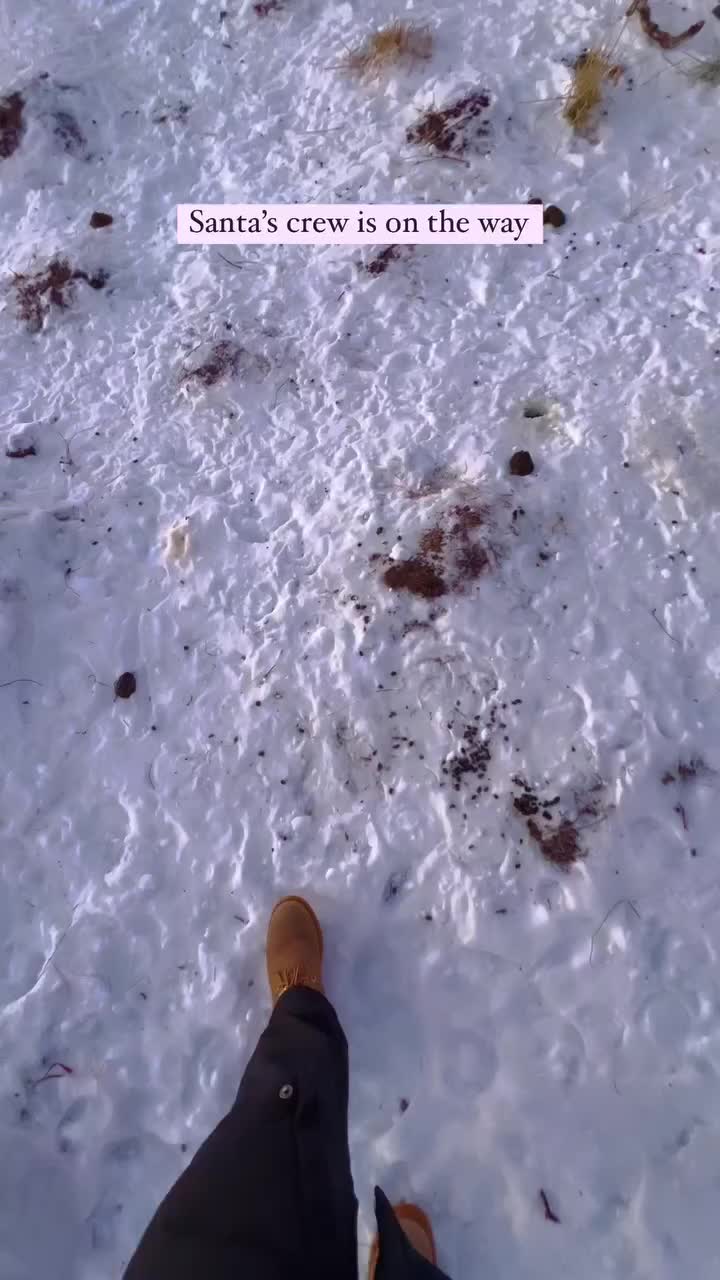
point(269, 1195)
point(398, 1260)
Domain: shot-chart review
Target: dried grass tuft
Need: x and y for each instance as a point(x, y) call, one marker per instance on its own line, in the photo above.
point(705, 71)
point(399, 43)
point(592, 71)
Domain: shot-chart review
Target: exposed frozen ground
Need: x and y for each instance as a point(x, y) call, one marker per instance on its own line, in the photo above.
point(550, 1028)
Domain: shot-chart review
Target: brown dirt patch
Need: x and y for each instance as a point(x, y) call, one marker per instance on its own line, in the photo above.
point(52, 287)
point(456, 128)
point(561, 847)
point(416, 575)
point(226, 360)
point(449, 554)
point(223, 361)
point(12, 126)
point(558, 841)
point(471, 562)
point(378, 265)
point(432, 542)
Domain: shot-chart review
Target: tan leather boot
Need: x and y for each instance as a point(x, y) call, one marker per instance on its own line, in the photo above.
point(416, 1225)
point(294, 948)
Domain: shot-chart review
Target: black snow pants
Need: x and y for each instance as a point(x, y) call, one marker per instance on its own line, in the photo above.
point(269, 1195)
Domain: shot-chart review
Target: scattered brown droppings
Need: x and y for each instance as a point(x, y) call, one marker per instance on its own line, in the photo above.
point(99, 219)
point(125, 685)
point(472, 758)
point(12, 125)
point(415, 625)
point(686, 769)
point(527, 804)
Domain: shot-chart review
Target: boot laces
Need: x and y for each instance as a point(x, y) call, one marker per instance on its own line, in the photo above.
point(285, 979)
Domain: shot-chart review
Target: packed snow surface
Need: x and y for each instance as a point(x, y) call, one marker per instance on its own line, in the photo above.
point(472, 714)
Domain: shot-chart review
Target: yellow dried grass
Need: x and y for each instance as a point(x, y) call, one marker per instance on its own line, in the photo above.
point(591, 73)
point(400, 42)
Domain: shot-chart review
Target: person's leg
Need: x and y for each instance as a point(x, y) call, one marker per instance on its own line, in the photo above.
point(269, 1195)
point(405, 1248)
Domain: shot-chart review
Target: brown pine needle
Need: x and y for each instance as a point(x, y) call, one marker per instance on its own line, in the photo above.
point(400, 42)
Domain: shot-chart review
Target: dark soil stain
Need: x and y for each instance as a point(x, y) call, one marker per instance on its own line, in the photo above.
point(553, 216)
point(378, 265)
point(29, 452)
point(52, 287)
point(534, 409)
point(395, 883)
point(686, 770)
point(12, 125)
point(222, 362)
point(454, 129)
point(521, 463)
point(69, 134)
point(226, 360)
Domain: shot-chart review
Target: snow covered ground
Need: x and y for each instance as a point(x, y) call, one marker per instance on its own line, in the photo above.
point(516, 1026)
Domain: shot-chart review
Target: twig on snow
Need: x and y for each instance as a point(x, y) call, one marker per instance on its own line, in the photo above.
point(551, 1217)
point(607, 917)
point(667, 633)
point(52, 1074)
